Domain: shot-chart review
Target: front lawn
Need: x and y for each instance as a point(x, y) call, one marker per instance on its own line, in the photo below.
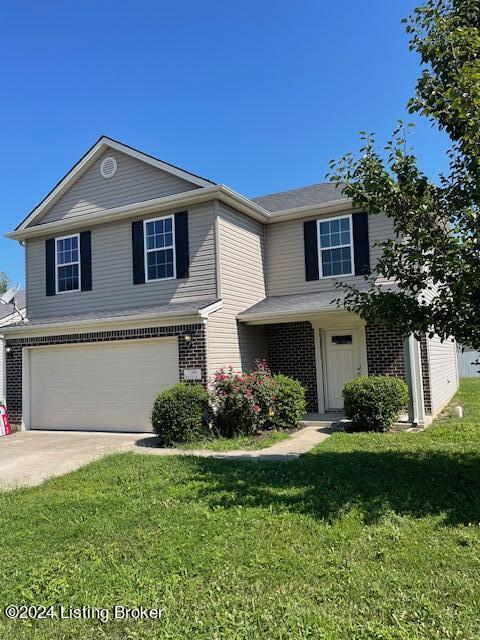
point(368, 537)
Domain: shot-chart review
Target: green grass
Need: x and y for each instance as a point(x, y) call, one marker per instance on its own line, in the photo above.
point(368, 537)
point(261, 441)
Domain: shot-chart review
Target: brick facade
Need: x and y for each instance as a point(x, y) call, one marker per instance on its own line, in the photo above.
point(291, 350)
point(385, 354)
point(190, 356)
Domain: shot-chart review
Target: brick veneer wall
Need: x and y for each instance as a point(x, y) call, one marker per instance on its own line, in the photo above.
point(427, 395)
point(189, 357)
point(291, 350)
point(385, 354)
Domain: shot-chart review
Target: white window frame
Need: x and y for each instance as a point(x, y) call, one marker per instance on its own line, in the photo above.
point(147, 251)
point(340, 246)
point(67, 264)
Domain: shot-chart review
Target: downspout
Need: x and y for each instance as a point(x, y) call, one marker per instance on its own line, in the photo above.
point(413, 370)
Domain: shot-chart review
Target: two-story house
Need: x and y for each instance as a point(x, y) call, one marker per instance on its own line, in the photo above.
point(140, 274)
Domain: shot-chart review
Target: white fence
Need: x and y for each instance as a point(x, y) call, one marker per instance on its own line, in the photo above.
point(468, 362)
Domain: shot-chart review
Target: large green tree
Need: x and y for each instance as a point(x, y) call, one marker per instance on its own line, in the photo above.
point(435, 259)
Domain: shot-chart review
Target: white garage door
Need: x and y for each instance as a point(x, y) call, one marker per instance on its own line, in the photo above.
point(108, 386)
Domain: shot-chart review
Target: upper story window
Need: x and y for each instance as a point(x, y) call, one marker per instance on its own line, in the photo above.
point(67, 255)
point(159, 248)
point(335, 246)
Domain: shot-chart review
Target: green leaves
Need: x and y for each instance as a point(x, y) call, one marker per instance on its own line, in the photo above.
point(434, 258)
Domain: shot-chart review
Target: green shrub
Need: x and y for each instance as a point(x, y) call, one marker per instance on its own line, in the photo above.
point(247, 403)
point(243, 402)
point(374, 403)
point(289, 404)
point(180, 414)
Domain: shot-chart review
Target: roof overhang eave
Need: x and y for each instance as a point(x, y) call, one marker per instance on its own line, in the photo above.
point(180, 317)
point(176, 201)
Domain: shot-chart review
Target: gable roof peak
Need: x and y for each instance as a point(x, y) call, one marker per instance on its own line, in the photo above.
point(86, 161)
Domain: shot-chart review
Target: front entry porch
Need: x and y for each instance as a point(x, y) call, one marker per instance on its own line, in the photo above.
point(323, 347)
point(323, 353)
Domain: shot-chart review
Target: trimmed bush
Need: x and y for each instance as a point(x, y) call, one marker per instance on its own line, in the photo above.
point(180, 414)
point(290, 404)
point(374, 403)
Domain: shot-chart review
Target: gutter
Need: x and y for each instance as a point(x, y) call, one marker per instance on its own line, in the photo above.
point(176, 201)
point(124, 320)
point(179, 201)
point(297, 213)
point(273, 315)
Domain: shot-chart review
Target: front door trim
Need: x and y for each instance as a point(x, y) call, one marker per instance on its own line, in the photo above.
point(320, 328)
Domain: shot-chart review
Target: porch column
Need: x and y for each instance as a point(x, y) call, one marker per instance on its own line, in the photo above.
point(413, 367)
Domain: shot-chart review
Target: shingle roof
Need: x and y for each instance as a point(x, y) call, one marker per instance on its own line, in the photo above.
point(314, 194)
point(9, 309)
point(171, 309)
point(300, 303)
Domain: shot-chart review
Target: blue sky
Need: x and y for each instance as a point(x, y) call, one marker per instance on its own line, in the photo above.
point(257, 95)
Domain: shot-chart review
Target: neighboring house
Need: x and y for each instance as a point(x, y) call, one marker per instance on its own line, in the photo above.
point(11, 313)
point(140, 274)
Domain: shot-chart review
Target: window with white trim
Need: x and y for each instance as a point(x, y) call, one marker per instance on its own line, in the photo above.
point(159, 236)
point(67, 256)
point(335, 246)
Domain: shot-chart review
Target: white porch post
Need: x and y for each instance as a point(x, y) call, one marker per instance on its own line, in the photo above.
point(413, 367)
point(319, 368)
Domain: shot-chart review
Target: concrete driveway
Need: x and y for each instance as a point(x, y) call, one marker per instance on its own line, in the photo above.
point(27, 458)
point(30, 457)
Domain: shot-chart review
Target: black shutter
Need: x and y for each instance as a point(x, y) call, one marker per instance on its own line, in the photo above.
point(50, 266)
point(138, 252)
point(181, 245)
point(361, 244)
point(311, 250)
point(86, 260)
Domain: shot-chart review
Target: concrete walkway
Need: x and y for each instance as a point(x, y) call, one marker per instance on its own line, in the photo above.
point(27, 458)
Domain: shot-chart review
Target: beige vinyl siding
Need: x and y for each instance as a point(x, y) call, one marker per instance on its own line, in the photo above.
point(112, 273)
point(241, 253)
point(134, 181)
point(286, 256)
point(442, 365)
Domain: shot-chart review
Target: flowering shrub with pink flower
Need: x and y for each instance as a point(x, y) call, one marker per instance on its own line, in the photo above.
point(247, 403)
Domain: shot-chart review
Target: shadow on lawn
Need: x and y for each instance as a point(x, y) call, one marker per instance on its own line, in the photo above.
point(325, 485)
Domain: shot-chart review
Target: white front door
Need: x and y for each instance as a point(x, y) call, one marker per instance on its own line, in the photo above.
point(343, 363)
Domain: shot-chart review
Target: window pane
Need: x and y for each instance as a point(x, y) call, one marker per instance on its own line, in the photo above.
point(159, 234)
point(327, 267)
point(335, 240)
point(68, 278)
point(324, 228)
point(334, 233)
point(67, 250)
point(324, 241)
point(346, 339)
point(150, 228)
point(160, 264)
point(336, 262)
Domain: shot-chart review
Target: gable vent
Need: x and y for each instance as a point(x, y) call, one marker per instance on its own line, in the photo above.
point(108, 168)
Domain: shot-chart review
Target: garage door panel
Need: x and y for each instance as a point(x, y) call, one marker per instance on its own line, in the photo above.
point(102, 386)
